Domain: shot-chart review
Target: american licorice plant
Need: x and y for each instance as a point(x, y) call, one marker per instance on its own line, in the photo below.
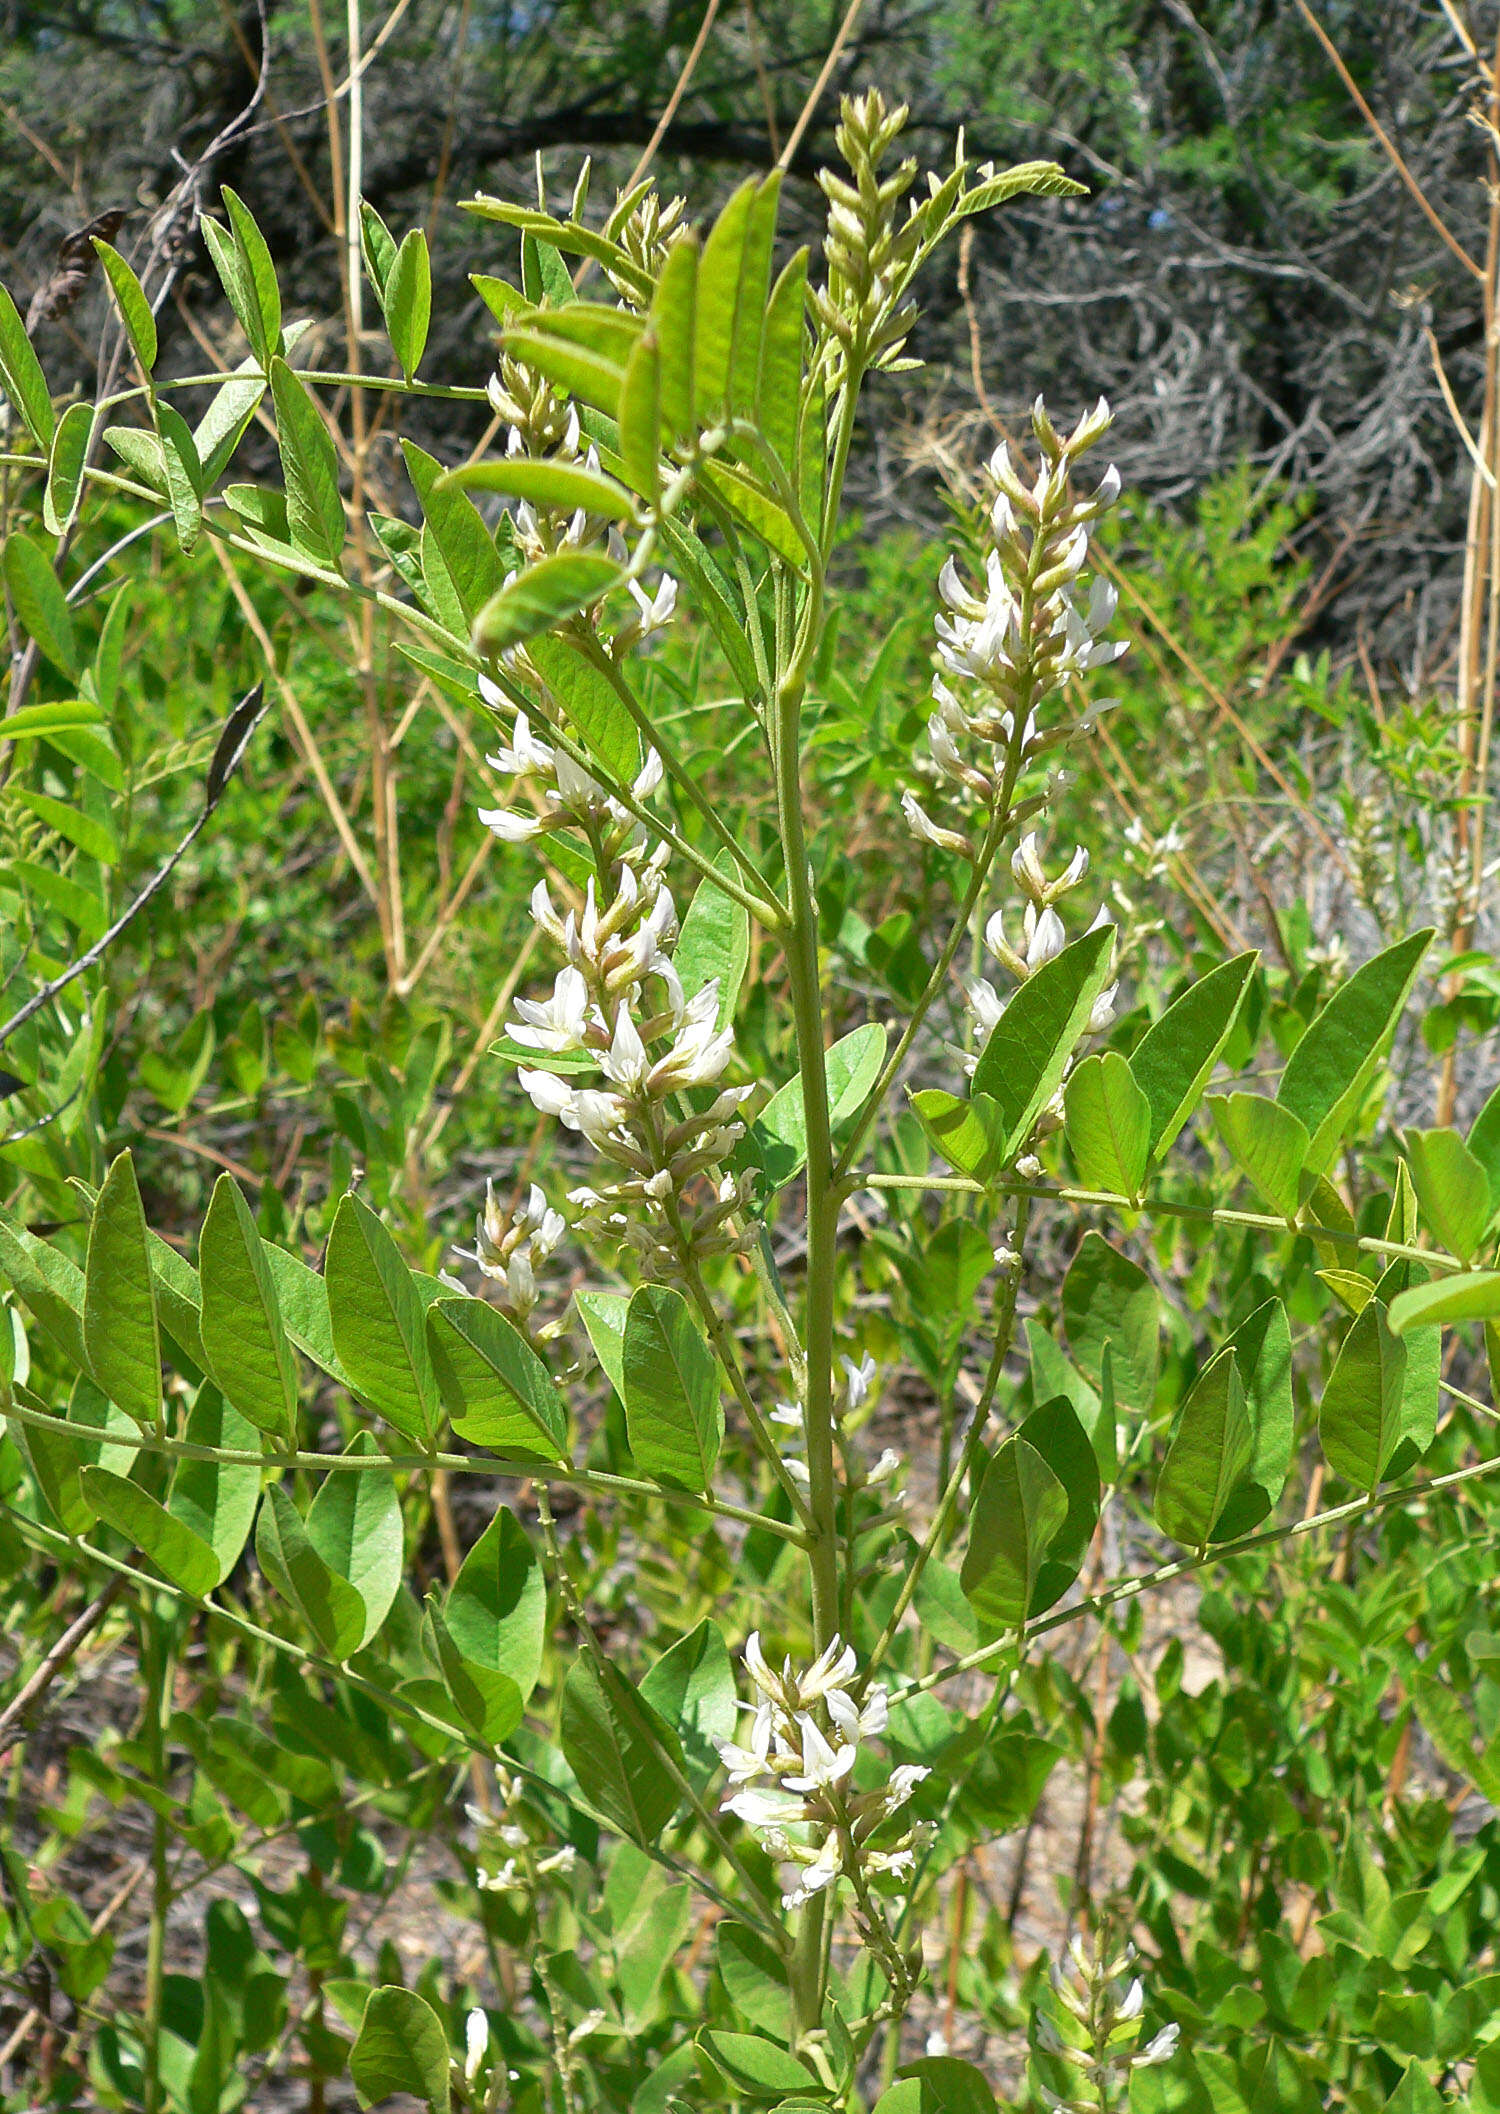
point(698, 1863)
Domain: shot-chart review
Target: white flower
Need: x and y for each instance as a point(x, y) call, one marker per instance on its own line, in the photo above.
point(556, 1023)
point(814, 1878)
point(764, 1808)
point(858, 1380)
point(1161, 2048)
point(921, 824)
point(476, 2042)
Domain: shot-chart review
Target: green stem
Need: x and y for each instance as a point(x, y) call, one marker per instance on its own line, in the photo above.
point(933, 1540)
point(156, 1668)
point(423, 1463)
point(1158, 1206)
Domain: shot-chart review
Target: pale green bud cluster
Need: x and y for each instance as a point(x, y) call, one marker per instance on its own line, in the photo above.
point(870, 253)
point(1096, 2029)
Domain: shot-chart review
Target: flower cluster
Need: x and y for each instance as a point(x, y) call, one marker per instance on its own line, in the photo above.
point(1042, 937)
point(859, 1380)
point(619, 1004)
point(869, 249)
point(1096, 2030)
point(510, 1247)
point(1005, 649)
point(790, 1781)
point(506, 1858)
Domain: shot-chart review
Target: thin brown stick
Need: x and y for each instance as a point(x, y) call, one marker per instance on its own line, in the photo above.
point(59, 1655)
point(788, 153)
point(1393, 152)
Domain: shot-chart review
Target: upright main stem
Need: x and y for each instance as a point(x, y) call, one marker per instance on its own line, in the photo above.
point(822, 1238)
point(156, 1656)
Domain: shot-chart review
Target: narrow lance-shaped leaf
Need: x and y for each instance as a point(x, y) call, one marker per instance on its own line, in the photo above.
point(258, 280)
point(21, 375)
point(542, 597)
point(314, 510)
point(39, 602)
point(673, 320)
point(120, 1334)
point(407, 300)
point(718, 300)
point(65, 470)
point(130, 299)
point(640, 420)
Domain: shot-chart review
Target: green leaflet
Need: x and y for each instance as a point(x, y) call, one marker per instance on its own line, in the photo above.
point(1452, 1188)
point(379, 1322)
point(1109, 1303)
point(329, 1605)
point(614, 1744)
point(778, 401)
point(182, 472)
point(1108, 1124)
point(1368, 1408)
point(406, 297)
point(1022, 1064)
point(1329, 1072)
point(217, 1499)
point(65, 470)
point(692, 1689)
point(1017, 1515)
point(1057, 1434)
point(21, 375)
point(969, 1134)
point(754, 1976)
point(542, 597)
point(120, 1336)
point(564, 486)
point(719, 273)
point(1262, 1345)
point(37, 594)
point(673, 1412)
point(243, 1338)
point(401, 2047)
point(588, 376)
point(458, 551)
point(130, 299)
point(1268, 1143)
point(496, 1389)
point(714, 944)
point(598, 716)
point(852, 1066)
point(309, 465)
point(758, 2067)
point(496, 1610)
point(603, 1315)
point(1174, 1059)
point(354, 1524)
point(179, 1553)
point(475, 1696)
point(1471, 1295)
point(673, 322)
point(640, 420)
point(1211, 1449)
